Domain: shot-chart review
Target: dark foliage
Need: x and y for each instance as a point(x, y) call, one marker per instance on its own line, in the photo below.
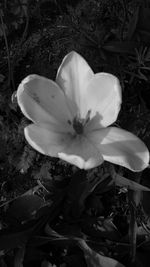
point(51, 213)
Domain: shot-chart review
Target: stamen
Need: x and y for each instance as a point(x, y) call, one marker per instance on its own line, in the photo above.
point(78, 126)
point(87, 118)
point(78, 123)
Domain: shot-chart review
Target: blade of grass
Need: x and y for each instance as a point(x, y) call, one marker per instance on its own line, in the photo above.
point(134, 199)
point(10, 73)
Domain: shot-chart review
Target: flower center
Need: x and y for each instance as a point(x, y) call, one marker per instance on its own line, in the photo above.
point(78, 124)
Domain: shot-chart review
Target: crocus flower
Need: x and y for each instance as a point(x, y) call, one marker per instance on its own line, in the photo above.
point(71, 117)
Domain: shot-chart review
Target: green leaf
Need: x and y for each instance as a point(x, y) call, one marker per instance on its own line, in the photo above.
point(146, 182)
point(101, 228)
point(78, 190)
point(19, 236)
point(94, 259)
point(15, 239)
point(142, 259)
point(146, 203)
point(3, 263)
point(2, 77)
point(122, 181)
point(75, 260)
point(24, 208)
point(53, 237)
point(126, 47)
point(33, 254)
point(18, 261)
point(46, 263)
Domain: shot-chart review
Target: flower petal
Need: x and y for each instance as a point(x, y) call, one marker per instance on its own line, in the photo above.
point(75, 150)
point(103, 98)
point(41, 100)
point(121, 147)
point(46, 140)
point(73, 76)
point(82, 153)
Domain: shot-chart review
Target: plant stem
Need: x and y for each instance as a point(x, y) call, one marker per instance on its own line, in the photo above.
point(134, 199)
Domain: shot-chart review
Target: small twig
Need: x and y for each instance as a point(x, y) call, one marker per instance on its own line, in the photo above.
point(29, 192)
point(10, 73)
point(42, 186)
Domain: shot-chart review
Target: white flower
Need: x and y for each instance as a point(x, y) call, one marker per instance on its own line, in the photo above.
point(71, 117)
